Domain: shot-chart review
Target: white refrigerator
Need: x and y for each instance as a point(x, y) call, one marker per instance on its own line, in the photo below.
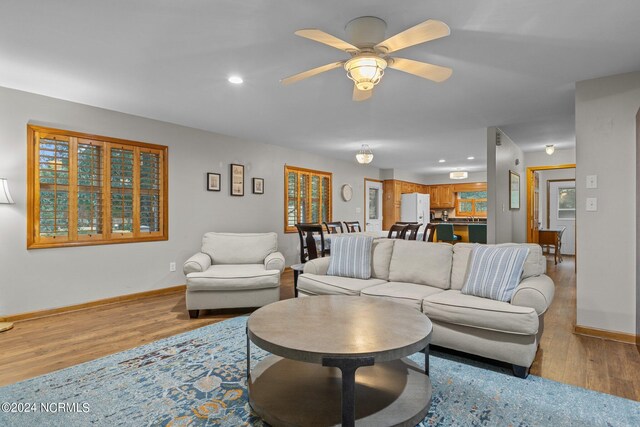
point(414, 207)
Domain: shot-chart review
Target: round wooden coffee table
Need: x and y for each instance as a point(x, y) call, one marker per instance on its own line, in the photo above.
point(317, 345)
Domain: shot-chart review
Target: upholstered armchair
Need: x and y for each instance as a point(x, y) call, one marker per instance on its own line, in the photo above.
point(234, 270)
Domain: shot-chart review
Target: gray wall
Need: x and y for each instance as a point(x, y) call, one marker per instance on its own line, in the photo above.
point(540, 158)
point(46, 278)
point(606, 110)
point(503, 224)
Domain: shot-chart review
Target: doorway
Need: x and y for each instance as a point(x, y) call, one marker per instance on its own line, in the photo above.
point(372, 205)
point(544, 198)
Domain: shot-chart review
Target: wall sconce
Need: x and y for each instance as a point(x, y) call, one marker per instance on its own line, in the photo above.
point(5, 195)
point(549, 149)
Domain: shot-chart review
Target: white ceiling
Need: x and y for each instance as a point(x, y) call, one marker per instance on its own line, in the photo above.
point(515, 63)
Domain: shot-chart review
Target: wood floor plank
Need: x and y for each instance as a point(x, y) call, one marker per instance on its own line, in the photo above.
point(38, 346)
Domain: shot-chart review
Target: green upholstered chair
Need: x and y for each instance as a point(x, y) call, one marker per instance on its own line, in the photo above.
point(477, 233)
point(444, 233)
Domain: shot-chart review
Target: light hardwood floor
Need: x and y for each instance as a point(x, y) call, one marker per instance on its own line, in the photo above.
point(35, 347)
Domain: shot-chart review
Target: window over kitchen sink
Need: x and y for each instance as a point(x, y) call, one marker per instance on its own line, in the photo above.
point(471, 204)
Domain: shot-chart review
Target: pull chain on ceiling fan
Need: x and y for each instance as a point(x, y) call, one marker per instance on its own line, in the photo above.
point(370, 56)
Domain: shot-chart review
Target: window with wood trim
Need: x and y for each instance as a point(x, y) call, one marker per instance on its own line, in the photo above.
point(471, 203)
point(307, 197)
point(88, 190)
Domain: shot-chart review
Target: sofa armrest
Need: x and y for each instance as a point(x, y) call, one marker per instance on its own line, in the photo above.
point(318, 266)
point(535, 292)
point(274, 261)
point(197, 263)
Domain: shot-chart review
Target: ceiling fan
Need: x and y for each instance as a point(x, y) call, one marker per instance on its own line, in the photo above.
point(370, 51)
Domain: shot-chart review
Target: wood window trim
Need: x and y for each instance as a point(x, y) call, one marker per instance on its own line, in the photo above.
point(310, 173)
point(34, 241)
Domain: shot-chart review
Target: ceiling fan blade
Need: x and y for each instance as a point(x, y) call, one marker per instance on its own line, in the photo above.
point(437, 73)
point(421, 33)
point(324, 38)
point(361, 95)
point(310, 73)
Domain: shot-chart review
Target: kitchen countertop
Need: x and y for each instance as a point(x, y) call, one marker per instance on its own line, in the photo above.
point(458, 221)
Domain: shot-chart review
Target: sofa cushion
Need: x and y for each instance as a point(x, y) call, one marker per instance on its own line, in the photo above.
point(421, 263)
point(405, 293)
point(381, 258)
point(350, 257)
point(233, 278)
point(239, 248)
point(315, 284)
point(467, 310)
point(494, 272)
point(534, 265)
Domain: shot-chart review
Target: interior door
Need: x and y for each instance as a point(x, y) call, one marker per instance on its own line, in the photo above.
point(373, 206)
point(562, 212)
point(535, 214)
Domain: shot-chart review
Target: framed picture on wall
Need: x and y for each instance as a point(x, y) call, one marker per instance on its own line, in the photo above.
point(514, 190)
point(213, 181)
point(237, 180)
point(258, 185)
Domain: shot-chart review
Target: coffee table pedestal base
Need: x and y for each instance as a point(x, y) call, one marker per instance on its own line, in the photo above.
point(285, 392)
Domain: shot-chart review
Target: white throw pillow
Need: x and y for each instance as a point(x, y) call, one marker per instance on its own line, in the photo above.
point(350, 257)
point(495, 272)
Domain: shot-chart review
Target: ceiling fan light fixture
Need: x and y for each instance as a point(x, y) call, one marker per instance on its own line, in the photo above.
point(365, 70)
point(365, 155)
point(549, 149)
point(458, 175)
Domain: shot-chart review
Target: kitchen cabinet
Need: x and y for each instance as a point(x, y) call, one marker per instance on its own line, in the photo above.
point(442, 196)
point(393, 190)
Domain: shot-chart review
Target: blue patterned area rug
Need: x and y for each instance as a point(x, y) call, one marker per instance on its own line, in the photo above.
point(198, 379)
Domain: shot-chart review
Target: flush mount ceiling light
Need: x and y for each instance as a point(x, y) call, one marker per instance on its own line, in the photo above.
point(441, 161)
point(549, 149)
point(236, 80)
point(370, 51)
point(458, 175)
point(365, 155)
point(470, 158)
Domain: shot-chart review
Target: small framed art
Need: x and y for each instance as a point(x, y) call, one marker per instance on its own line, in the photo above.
point(213, 181)
point(514, 190)
point(237, 180)
point(258, 185)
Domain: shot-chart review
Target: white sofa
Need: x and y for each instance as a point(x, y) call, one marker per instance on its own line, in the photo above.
point(234, 270)
point(429, 276)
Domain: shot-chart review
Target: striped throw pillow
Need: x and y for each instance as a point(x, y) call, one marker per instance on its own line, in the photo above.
point(350, 257)
point(495, 272)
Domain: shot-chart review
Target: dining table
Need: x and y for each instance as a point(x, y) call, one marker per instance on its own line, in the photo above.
point(552, 237)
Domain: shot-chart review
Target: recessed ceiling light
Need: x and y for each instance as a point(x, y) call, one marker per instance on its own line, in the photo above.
point(441, 161)
point(236, 80)
point(470, 158)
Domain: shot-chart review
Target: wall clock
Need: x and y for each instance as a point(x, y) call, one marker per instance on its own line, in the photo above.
point(347, 192)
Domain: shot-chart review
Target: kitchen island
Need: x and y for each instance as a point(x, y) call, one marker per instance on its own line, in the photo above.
point(460, 226)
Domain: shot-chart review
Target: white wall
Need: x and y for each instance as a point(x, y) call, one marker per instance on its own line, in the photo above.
point(559, 157)
point(47, 278)
point(606, 111)
point(503, 224)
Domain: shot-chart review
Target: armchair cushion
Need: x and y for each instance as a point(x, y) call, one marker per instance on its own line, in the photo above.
point(198, 262)
point(239, 248)
point(233, 278)
point(318, 266)
point(274, 261)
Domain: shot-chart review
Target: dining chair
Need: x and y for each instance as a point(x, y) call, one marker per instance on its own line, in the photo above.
point(429, 233)
point(353, 226)
point(560, 233)
point(333, 227)
point(477, 233)
point(445, 233)
point(395, 231)
point(308, 244)
point(410, 231)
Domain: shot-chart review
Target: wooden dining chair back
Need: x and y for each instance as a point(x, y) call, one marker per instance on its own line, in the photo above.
point(396, 231)
point(333, 227)
point(308, 244)
point(429, 233)
point(477, 233)
point(353, 226)
point(410, 231)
